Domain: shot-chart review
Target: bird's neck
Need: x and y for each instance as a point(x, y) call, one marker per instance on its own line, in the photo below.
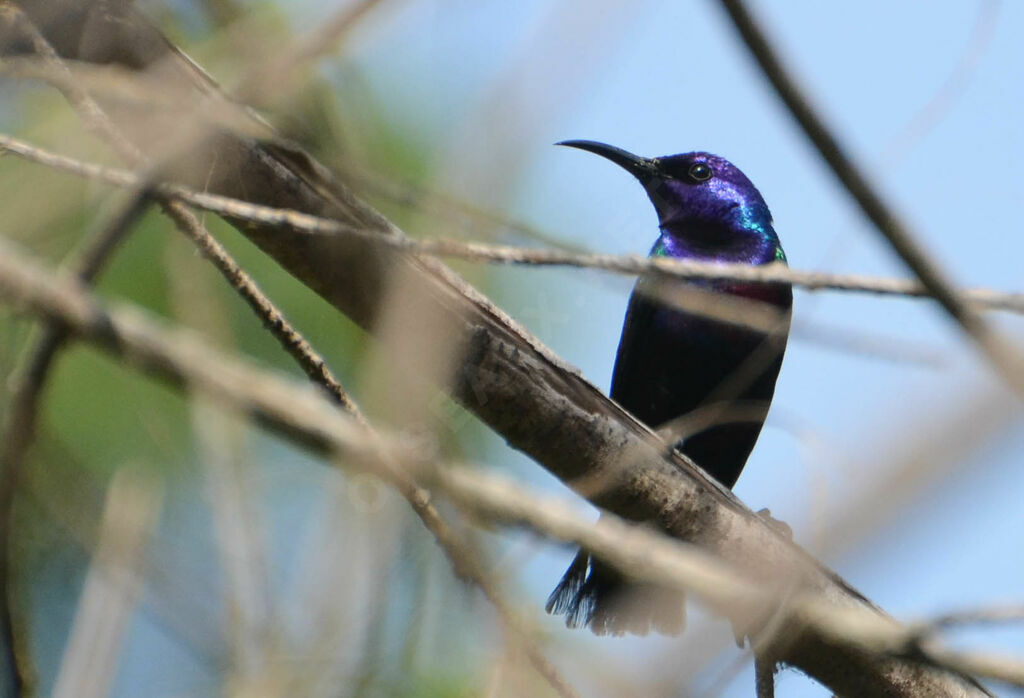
point(719, 242)
point(728, 245)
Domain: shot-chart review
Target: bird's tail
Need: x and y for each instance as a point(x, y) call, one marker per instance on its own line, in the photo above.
point(593, 594)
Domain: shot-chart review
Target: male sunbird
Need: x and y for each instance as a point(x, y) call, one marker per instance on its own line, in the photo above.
point(700, 376)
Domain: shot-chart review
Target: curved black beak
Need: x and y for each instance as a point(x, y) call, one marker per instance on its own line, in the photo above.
point(641, 168)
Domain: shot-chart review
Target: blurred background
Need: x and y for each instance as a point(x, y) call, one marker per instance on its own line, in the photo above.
point(891, 449)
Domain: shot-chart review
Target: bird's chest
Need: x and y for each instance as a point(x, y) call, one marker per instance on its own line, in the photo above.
point(697, 350)
point(678, 358)
point(719, 325)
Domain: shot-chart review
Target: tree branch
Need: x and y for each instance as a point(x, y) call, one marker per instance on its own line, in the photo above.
point(20, 427)
point(627, 264)
point(753, 599)
point(1004, 357)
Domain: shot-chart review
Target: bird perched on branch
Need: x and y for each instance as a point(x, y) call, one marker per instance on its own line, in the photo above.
point(697, 360)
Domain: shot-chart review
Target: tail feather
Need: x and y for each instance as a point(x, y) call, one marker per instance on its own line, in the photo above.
point(569, 597)
point(593, 594)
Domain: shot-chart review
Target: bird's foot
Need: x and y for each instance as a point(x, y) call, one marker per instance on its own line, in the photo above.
point(781, 527)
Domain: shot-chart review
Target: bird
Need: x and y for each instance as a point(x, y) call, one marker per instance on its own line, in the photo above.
point(703, 380)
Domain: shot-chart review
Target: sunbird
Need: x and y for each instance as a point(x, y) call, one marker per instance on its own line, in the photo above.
point(701, 373)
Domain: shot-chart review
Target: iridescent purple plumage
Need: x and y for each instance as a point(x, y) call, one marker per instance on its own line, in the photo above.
point(702, 379)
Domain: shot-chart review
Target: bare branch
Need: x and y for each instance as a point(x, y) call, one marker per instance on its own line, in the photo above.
point(20, 428)
point(983, 616)
point(631, 265)
point(308, 359)
point(275, 77)
point(112, 588)
point(953, 87)
point(1005, 358)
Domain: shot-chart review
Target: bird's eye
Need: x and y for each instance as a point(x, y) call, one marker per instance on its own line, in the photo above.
point(699, 172)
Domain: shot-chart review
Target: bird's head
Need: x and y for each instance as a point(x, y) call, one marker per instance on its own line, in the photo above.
point(706, 206)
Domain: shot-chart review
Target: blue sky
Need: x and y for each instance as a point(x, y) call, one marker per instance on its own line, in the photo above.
point(494, 84)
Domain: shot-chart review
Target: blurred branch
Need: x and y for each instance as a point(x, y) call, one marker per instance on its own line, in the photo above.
point(952, 88)
point(20, 428)
point(504, 375)
point(290, 339)
point(128, 88)
point(65, 497)
point(456, 211)
point(465, 563)
point(983, 616)
point(275, 77)
point(628, 264)
point(836, 337)
point(844, 622)
point(1004, 357)
point(21, 27)
point(459, 552)
point(115, 83)
point(231, 488)
point(641, 554)
point(112, 588)
point(943, 441)
point(222, 12)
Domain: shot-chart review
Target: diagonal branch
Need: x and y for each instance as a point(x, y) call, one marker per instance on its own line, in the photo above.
point(1005, 358)
point(182, 358)
point(20, 427)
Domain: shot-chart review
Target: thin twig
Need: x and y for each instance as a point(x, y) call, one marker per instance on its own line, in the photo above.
point(20, 428)
point(981, 616)
point(276, 75)
point(481, 252)
point(953, 87)
point(1003, 356)
point(308, 359)
point(112, 588)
